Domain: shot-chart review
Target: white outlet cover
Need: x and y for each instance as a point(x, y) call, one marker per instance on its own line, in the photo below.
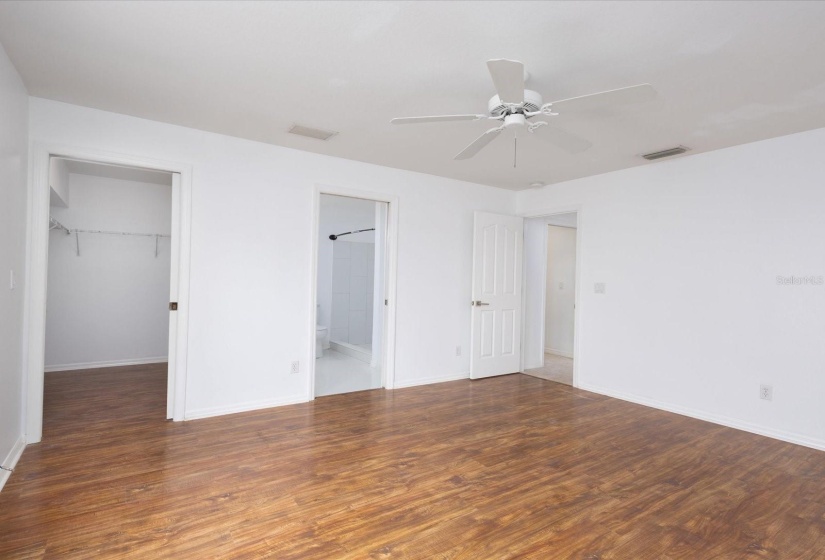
point(599, 287)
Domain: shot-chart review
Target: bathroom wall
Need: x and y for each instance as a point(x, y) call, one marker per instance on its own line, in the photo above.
point(352, 292)
point(338, 214)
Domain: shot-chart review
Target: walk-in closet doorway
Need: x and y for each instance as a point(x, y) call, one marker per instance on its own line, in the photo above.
point(108, 282)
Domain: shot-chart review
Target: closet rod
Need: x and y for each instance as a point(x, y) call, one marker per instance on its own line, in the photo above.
point(120, 233)
point(54, 224)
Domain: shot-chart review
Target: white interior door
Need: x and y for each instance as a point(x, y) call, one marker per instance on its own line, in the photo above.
point(173, 297)
point(496, 302)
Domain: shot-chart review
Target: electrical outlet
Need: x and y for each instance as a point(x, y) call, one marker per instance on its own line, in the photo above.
point(296, 367)
point(458, 350)
point(766, 392)
point(599, 287)
point(561, 285)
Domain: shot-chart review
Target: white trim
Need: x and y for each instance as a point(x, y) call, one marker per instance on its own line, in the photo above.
point(726, 421)
point(37, 258)
point(110, 363)
point(561, 353)
point(242, 407)
point(11, 459)
point(434, 379)
point(388, 354)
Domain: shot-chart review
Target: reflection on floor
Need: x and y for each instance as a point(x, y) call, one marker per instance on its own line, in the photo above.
point(337, 373)
point(556, 368)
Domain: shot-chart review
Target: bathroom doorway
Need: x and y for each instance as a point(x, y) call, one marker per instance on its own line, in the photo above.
point(350, 314)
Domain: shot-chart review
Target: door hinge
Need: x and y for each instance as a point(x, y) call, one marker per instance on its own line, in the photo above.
point(173, 306)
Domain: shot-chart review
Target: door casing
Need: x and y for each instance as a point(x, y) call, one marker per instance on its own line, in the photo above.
point(391, 242)
point(37, 255)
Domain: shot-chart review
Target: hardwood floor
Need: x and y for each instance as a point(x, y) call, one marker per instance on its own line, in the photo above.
point(507, 467)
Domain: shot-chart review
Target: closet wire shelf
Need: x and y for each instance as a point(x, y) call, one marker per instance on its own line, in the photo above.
point(54, 224)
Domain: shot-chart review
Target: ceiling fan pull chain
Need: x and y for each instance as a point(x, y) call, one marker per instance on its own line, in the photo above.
point(515, 149)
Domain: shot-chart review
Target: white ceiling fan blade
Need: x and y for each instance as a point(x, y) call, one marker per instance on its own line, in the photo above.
point(621, 96)
point(479, 143)
point(438, 118)
point(508, 77)
point(567, 141)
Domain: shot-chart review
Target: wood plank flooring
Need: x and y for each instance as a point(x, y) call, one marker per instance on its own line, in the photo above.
point(507, 467)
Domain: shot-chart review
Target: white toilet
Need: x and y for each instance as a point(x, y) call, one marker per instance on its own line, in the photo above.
point(321, 334)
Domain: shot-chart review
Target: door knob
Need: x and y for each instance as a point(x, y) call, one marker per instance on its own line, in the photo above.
point(478, 302)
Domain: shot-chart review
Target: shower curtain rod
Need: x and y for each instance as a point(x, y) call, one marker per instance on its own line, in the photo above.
point(334, 237)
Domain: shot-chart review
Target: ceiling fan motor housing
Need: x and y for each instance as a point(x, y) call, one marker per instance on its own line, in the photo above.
point(514, 120)
point(532, 103)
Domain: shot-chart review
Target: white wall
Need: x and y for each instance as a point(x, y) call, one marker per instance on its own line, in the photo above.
point(13, 213)
point(109, 306)
point(250, 290)
point(689, 250)
point(59, 182)
point(560, 298)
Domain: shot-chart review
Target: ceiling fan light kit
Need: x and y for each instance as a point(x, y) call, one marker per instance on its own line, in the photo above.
point(513, 106)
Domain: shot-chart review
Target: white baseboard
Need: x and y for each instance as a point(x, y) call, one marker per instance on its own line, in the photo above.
point(11, 459)
point(429, 380)
point(561, 353)
point(709, 417)
point(110, 363)
point(242, 407)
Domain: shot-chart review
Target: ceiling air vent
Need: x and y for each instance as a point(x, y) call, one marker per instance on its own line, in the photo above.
point(316, 133)
point(666, 153)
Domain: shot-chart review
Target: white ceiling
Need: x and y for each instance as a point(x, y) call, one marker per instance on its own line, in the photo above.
point(727, 73)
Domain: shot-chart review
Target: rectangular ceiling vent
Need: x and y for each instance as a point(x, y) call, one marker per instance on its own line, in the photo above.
point(316, 133)
point(666, 153)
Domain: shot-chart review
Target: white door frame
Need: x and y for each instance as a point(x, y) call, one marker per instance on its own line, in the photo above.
point(546, 213)
point(388, 358)
point(37, 250)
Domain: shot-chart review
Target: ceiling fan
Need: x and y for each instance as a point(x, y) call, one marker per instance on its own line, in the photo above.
point(514, 106)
